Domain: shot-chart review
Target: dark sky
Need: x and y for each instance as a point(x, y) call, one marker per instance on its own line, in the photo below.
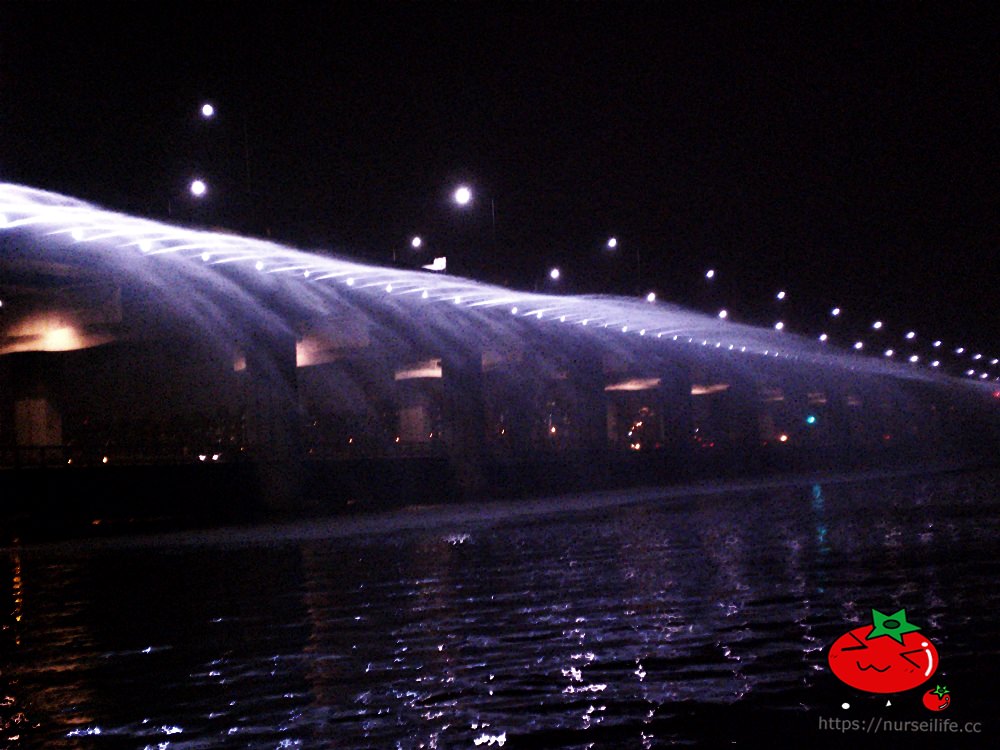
point(844, 152)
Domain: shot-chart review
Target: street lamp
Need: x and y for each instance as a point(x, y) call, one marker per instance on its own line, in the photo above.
point(612, 244)
point(463, 196)
point(198, 188)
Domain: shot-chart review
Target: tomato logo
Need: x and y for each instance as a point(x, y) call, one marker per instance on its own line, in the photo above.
point(888, 656)
point(937, 699)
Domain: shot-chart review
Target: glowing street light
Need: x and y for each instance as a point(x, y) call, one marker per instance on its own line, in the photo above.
point(462, 195)
point(198, 188)
point(710, 274)
point(612, 243)
point(554, 274)
point(207, 111)
point(416, 242)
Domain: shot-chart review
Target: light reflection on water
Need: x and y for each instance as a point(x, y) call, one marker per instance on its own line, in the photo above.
point(700, 618)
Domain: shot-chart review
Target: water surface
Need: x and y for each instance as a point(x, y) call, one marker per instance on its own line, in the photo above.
point(697, 618)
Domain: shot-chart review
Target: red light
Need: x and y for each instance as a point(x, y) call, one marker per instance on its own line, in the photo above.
point(996, 394)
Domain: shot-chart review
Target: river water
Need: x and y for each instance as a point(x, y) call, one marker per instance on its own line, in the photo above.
point(696, 617)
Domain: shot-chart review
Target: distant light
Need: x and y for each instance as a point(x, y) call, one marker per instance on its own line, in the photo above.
point(936, 344)
point(889, 352)
point(781, 295)
point(198, 188)
point(463, 195)
point(259, 265)
point(651, 297)
point(960, 350)
point(859, 345)
point(416, 242)
point(513, 310)
point(779, 326)
point(970, 372)
point(911, 335)
point(612, 243)
point(723, 314)
point(207, 111)
point(710, 274)
point(823, 337)
point(835, 312)
point(984, 375)
point(977, 357)
point(783, 438)
point(914, 358)
point(877, 324)
point(811, 419)
point(554, 274)
point(994, 361)
point(935, 363)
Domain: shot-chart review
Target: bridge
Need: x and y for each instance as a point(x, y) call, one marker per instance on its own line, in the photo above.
point(186, 362)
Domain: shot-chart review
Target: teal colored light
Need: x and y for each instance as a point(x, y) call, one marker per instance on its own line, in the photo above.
point(811, 419)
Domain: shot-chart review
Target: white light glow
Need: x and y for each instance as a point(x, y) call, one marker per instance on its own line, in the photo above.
point(416, 242)
point(877, 324)
point(780, 295)
point(198, 188)
point(651, 297)
point(859, 345)
point(910, 335)
point(710, 274)
point(889, 352)
point(612, 242)
point(207, 110)
point(835, 312)
point(823, 337)
point(463, 195)
point(723, 314)
point(779, 326)
point(554, 274)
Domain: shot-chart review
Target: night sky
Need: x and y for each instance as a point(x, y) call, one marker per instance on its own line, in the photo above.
point(846, 153)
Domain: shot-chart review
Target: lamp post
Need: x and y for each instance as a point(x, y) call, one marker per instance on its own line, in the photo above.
point(463, 196)
point(612, 245)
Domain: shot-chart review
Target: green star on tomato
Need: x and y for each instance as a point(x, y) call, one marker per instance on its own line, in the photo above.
point(895, 625)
